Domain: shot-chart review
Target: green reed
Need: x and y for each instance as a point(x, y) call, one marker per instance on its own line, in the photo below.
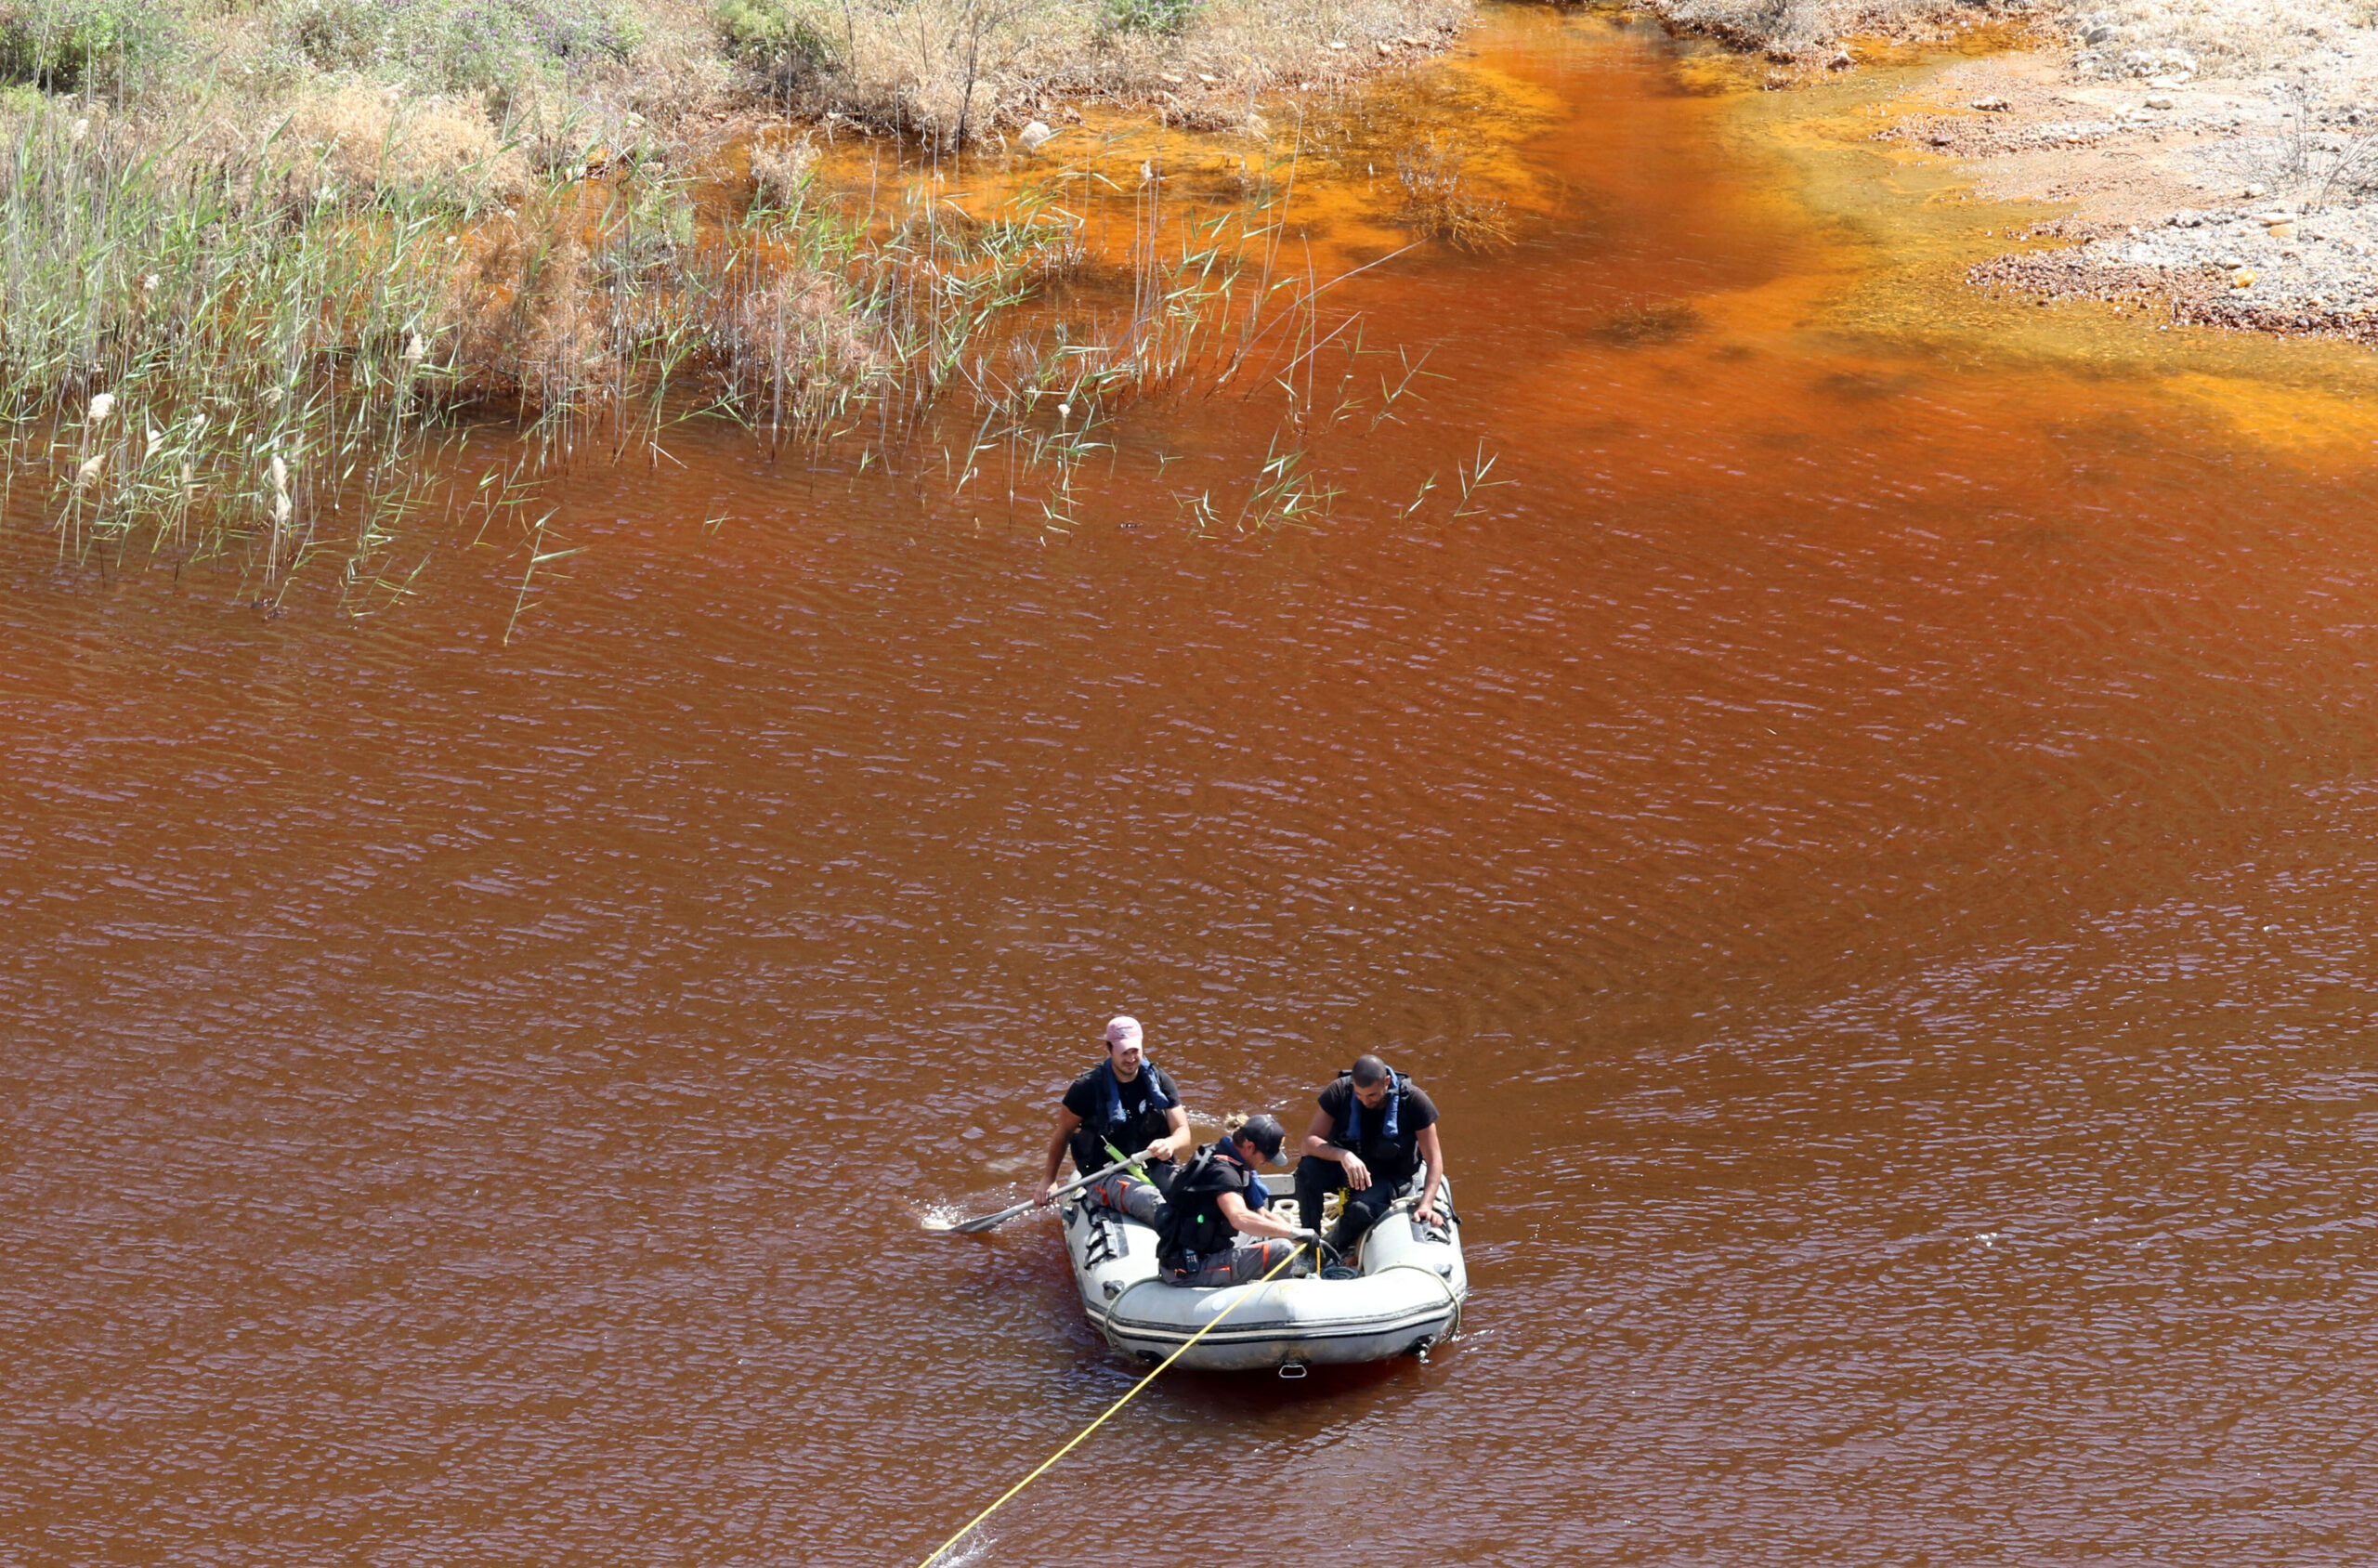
point(195, 354)
point(1214, 307)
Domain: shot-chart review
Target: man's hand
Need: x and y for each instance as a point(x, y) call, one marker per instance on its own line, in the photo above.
point(1427, 1211)
point(1160, 1149)
point(1358, 1175)
point(1040, 1194)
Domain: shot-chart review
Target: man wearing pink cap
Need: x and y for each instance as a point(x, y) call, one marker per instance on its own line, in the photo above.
point(1119, 1107)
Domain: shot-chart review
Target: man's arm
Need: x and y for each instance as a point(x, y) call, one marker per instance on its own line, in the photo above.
point(1067, 1125)
point(1255, 1221)
point(1175, 1144)
point(1432, 1150)
point(1317, 1144)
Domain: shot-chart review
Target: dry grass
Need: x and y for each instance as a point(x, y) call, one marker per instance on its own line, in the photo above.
point(371, 139)
point(958, 69)
point(780, 170)
point(2209, 37)
point(1788, 29)
point(1443, 202)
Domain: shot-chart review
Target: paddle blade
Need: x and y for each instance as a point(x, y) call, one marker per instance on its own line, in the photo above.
point(975, 1227)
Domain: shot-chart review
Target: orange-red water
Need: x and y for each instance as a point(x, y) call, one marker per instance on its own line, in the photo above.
point(1869, 837)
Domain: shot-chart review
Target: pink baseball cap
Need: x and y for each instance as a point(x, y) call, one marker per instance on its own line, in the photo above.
point(1122, 1030)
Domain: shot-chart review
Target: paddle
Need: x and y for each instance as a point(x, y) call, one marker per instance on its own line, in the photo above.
point(972, 1227)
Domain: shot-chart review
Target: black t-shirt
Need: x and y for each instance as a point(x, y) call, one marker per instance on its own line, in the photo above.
point(1389, 1160)
point(1142, 1123)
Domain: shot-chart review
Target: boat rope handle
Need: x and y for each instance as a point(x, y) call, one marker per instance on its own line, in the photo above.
point(935, 1555)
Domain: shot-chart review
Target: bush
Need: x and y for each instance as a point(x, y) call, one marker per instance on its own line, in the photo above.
point(464, 46)
point(66, 46)
point(787, 34)
point(1162, 17)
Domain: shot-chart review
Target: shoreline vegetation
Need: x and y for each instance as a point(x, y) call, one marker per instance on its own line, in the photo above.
point(263, 271)
point(267, 264)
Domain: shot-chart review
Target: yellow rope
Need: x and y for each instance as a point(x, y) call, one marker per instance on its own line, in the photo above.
point(935, 1556)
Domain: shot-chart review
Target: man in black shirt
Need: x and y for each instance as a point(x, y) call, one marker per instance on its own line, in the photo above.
point(1126, 1103)
point(1373, 1130)
point(1207, 1234)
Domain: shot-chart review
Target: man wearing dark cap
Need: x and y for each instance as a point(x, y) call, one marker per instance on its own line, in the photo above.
point(1208, 1233)
point(1374, 1130)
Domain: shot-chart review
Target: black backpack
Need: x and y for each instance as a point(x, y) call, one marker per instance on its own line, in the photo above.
point(1190, 1224)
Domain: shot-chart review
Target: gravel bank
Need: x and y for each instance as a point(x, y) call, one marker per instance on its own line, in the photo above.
point(2220, 157)
point(2217, 157)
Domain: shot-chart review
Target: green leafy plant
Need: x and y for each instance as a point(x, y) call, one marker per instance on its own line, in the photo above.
point(791, 37)
point(456, 45)
point(70, 46)
point(1161, 18)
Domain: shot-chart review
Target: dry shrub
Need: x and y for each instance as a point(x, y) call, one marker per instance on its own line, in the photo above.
point(565, 348)
point(780, 170)
point(1443, 201)
point(524, 319)
point(2122, 38)
point(368, 140)
point(1248, 47)
point(554, 311)
point(789, 343)
point(676, 75)
point(932, 66)
point(1787, 26)
point(1789, 29)
point(939, 67)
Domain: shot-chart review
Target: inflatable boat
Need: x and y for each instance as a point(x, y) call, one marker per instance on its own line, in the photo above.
point(1399, 1295)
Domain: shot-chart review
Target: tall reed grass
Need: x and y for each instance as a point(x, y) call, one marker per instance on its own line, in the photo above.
point(212, 356)
point(200, 353)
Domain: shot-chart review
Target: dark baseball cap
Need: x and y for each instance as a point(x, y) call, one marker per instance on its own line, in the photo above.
point(1265, 1134)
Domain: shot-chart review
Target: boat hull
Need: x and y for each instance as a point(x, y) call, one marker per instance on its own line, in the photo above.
point(1405, 1297)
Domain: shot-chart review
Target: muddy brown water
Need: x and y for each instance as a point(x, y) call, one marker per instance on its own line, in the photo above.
point(1868, 837)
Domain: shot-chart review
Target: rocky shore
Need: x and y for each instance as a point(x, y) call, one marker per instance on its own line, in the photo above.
point(2220, 158)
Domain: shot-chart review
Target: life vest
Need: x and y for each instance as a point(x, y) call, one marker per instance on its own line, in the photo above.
point(1398, 1153)
point(1191, 1224)
point(1131, 1133)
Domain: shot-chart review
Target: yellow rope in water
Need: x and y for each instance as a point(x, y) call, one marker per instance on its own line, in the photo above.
point(935, 1556)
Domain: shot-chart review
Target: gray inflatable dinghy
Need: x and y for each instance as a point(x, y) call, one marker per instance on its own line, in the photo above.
point(1400, 1294)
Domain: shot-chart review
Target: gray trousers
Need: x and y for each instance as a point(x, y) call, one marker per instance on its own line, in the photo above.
point(1250, 1258)
point(1126, 1194)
